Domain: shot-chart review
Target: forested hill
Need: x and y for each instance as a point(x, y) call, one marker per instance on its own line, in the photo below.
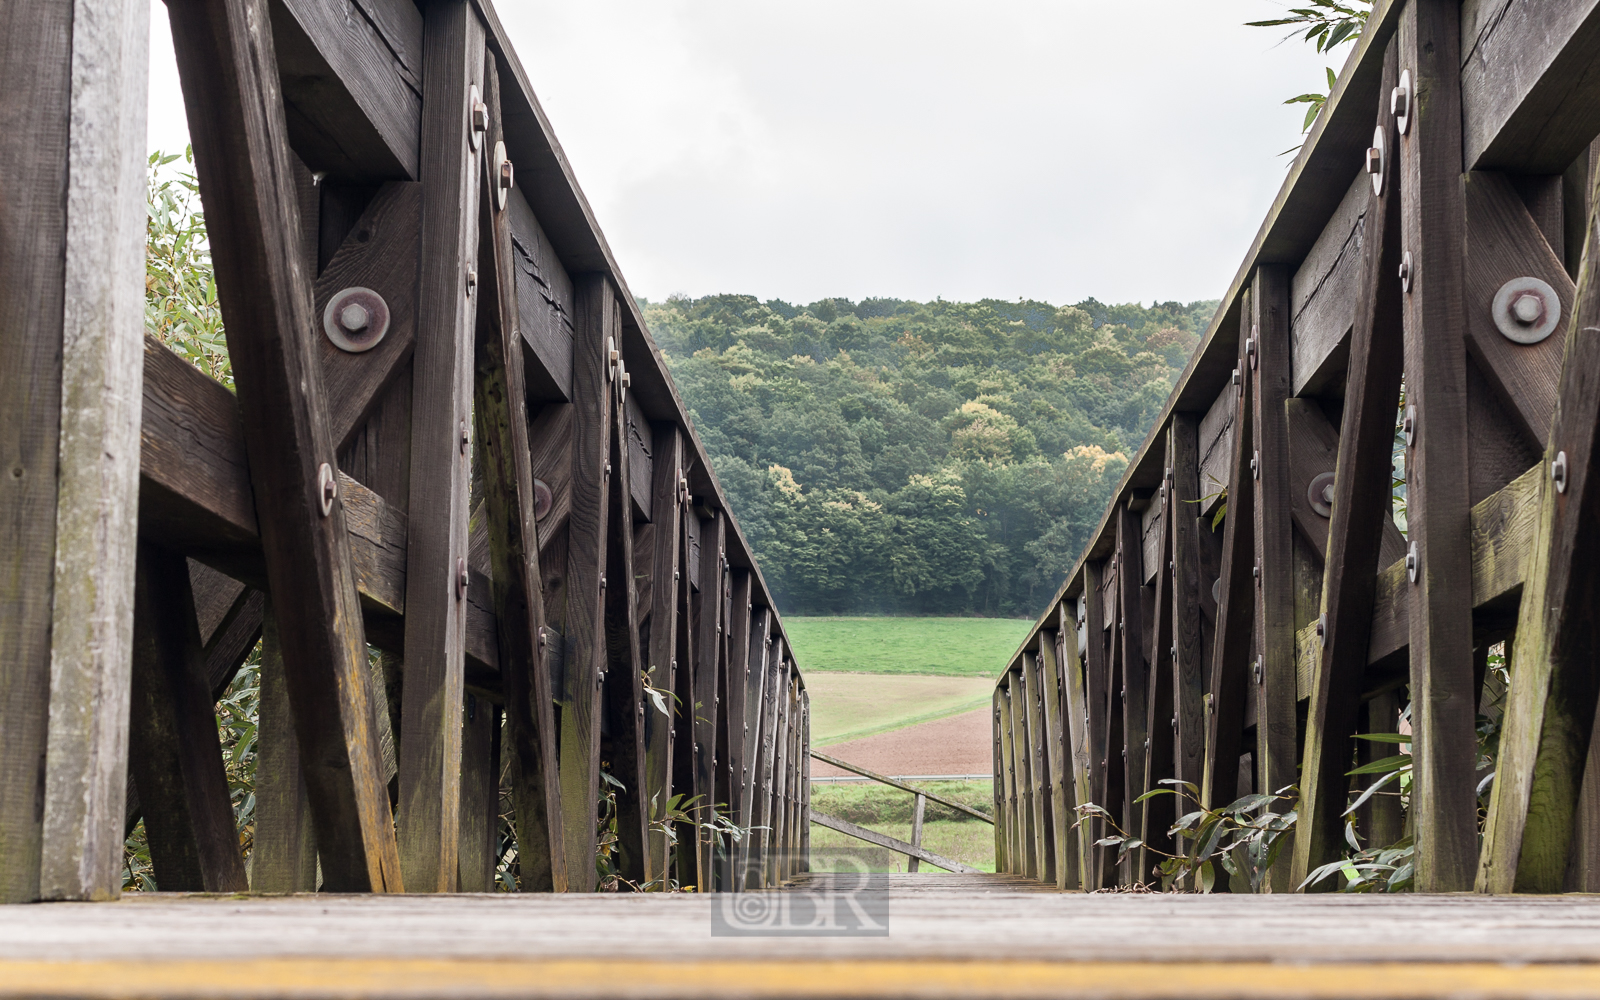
point(921, 457)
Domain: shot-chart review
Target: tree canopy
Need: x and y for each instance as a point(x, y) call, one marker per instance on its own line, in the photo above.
point(887, 456)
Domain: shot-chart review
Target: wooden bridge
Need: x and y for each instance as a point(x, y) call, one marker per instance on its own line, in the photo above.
point(455, 497)
point(455, 493)
point(1420, 303)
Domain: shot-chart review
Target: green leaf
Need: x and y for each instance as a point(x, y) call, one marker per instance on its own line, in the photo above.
point(1399, 762)
point(1385, 737)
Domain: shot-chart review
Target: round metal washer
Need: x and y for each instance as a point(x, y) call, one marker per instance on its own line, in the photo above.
point(356, 319)
point(542, 499)
point(1526, 310)
point(1320, 493)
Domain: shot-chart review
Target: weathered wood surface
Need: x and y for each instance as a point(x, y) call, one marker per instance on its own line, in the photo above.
point(912, 851)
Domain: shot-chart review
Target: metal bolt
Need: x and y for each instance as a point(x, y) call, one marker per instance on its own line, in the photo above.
point(1174, 651)
point(1412, 562)
point(1236, 379)
point(1255, 465)
point(1375, 160)
point(1558, 471)
point(1408, 424)
point(1174, 723)
point(1255, 571)
point(465, 437)
point(354, 317)
point(1400, 103)
point(507, 176)
point(478, 117)
point(1257, 668)
point(1526, 308)
point(602, 582)
point(327, 487)
point(608, 468)
point(472, 281)
point(1147, 742)
point(542, 639)
point(1405, 272)
point(1322, 629)
point(1250, 349)
point(462, 579)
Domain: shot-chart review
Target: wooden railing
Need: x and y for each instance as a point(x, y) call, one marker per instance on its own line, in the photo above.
point(456, 495)
point(914, 851)
point(1249, 602)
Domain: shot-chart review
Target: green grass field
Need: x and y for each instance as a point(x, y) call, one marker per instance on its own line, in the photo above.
point(888, 810)
point(951, 647)
point(851, 706)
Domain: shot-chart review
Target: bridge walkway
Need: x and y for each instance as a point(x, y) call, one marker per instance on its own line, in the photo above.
point(945, 935)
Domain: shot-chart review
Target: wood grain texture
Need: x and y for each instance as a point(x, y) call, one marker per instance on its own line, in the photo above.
point(1530, 90)
point(1324, 294)
point(380, 253)
point(175, 754)
point(96, 481)
point(1360, 511)
point(441, 459)
point(1215, 444)
point(623, 677)
point(500, 410)
point(1550, 708)
point(1156, 815)
point(1277, 730)
point(586, 564)
point(707, 618)
point(662, 655)
point(1134, 693)
point(1044, 833)
point(1063, 787)
point(544, 303)
point(36, 70)
point(226, 64)
point(1230, 671)
point(1188, 662)
point(1432, 225)
point(1504, 242)
point(1097, 680)
point(736, 733)
point(353, 104)
point(283, 856)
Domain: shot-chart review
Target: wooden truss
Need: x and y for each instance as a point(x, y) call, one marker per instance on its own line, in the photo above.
point(1440, 222)
point(454, 493)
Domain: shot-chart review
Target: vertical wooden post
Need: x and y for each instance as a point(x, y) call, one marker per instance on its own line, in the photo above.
point(997, 797)
point(916, 829)
point(1135, 671)
point(230, 83)
point(441, 456)
point(283, 855)
point(480, 792)
point(1361, 507)
point(500, 413)
point(1039, 769)
point(666, 511)
point(708, 650)
point(735, 696)
point(183, 789)
point(1156, 813)
point(1027, 849)
point(755, 672)
point(1230, 670)
point(71, 321)
point(595, 337)
point(805, 781)
point(623, 676)
point(1064, 838)
point(1549, 717)
point(1438, 509)
point(1188, 633)
point(681, 755)
point(1277, 727)
point(1006, 818)
point(1097, 680)
point(1077, 717)
point(771, 692)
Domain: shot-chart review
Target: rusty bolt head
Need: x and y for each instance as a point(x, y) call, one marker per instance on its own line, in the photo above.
point(354, 316)
point(327, 488)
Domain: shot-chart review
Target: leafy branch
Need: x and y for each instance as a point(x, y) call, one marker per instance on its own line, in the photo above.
point(1325, 24)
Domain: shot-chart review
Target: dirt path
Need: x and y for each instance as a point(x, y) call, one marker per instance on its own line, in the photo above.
point(958, 744)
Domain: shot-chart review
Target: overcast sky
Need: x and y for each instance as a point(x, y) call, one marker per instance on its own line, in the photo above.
point(1050, 150)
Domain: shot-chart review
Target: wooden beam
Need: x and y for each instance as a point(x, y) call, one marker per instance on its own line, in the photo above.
point(1044, 834)
point(1529, 92)
point(1188, 676)
point(500, 412)
point(226, 63)
point(586, 563)
point(1002, 863)
point(741, 617)
point(441, 456)
point(1439, 511)
point(1277, 730)
point(1504, 242)
point(352, 85)
point(882, 840)
point(1076, 698)
point(623, 676)
point(1097, 678)
point(283, 855)
point(1156, 814)
point(1550, 708)
point(1361, 508)
point(175, 753)
point(480, 795)
point(663, 653)
point(1063, 840)
point(708, 651)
